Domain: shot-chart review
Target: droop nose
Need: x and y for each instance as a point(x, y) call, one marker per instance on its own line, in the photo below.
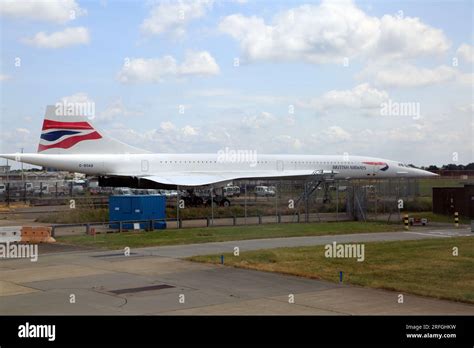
point(423, 173)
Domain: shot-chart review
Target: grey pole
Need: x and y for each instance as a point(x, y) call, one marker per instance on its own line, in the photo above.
point(245, 204)
point(212, 205)
point(306, 201)
point(276, 201)
point(177, 206)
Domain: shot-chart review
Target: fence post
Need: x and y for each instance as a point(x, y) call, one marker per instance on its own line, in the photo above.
point(151, 225)
point(88, 227)
point(234, 222)
point(260, 219)
point(208, 221)
point(120, 226)
point(8, 194)
point(24, 192)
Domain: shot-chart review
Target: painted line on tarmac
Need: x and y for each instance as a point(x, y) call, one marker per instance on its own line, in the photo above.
point(430, 234)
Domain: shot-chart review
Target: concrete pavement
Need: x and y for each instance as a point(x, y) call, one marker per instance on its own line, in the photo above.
point(157, 281)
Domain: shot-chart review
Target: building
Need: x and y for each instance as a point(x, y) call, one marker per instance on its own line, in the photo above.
point(448, 200)
point(5, 169)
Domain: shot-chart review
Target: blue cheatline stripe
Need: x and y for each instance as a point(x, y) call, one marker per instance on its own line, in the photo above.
point(52, 136)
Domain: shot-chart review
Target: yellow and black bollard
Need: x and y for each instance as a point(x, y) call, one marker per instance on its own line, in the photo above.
point(405, 220)
point(456, 219)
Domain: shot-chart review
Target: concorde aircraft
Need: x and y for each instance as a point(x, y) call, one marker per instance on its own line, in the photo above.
point(72, 143)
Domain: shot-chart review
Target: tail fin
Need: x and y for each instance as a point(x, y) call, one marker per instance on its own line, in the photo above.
point(64, 134)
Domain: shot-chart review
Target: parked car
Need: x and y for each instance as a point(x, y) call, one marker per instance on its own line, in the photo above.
point(171, 193)
point(271, 191)
point(125, 191)
point(264, 191)
point(95, 191)
point(41, 190)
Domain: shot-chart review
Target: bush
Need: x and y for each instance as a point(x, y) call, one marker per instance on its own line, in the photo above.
point(419, 205)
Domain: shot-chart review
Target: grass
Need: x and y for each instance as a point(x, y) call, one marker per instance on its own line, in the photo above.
point(423, 267)
point(221, 234)
point(426, 185)
point(79, 215)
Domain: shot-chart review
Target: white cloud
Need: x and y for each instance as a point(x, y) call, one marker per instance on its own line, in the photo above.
point(189, 131)
point(335, 134)
point(23, 131)
point(116, 109)
point(14, 139)
point(289, 143)
point(147, 70)
point(167, 138)
point(362, 97)
point(59, 39)
point(467, 78)
point(156, 69)
point(173, 17)
point(213, 92)
point(256, 121)
point(407, 37)
point(466, 108)
point(331, 31)
point(199, 63)
point(167, 126)
point(414, 133)
point(55, 11)
point(79, 97)
point(407, 75)
point(466, 52)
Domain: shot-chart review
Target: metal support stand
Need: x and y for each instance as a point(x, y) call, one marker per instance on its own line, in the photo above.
point(310, 186)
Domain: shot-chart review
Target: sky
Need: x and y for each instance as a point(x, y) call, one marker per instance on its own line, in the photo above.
point(389, 79)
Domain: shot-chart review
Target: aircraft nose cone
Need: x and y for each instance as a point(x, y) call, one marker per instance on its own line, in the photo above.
point(425, 173)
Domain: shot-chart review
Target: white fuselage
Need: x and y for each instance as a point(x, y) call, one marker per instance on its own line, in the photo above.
point(344, 167)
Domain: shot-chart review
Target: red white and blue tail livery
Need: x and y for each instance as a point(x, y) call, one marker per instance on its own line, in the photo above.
point(64, 135)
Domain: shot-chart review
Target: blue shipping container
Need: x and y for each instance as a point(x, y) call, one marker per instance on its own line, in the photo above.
point(137, 207)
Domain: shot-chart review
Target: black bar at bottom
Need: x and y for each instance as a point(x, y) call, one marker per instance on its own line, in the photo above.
point(289, 330)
